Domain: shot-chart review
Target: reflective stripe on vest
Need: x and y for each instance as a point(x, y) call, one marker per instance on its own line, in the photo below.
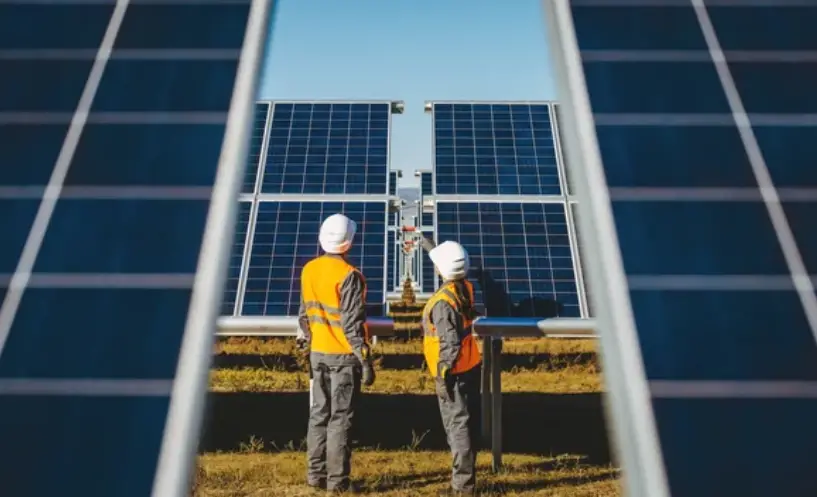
point(321, 280)
point(469, 356)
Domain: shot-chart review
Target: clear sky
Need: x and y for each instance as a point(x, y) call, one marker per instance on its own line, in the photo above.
point(410, 50)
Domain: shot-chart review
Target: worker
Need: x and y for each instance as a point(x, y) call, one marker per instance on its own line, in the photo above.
point(332, 321)
point(453, 358)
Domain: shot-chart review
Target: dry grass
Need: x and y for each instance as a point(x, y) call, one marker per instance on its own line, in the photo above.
point(520, 346)
point(530, 365)
point(400, 474)
point(574, 379)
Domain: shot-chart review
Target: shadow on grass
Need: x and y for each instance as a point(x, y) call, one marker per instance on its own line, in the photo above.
point(533, 423)
point(403, 362)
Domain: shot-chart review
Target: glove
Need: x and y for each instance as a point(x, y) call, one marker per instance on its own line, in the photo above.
point(301, 340)
point(368, 374)
point(427, 244)
point(445, 387)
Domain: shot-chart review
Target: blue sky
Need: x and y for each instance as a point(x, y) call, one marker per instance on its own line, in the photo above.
point(410, 50)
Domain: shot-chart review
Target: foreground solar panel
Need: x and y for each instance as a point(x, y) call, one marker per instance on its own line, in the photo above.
point(119, 147)
point(494, 148)
point(694, 127)
point(286, 237)
point(323, 147)
point(523, 250)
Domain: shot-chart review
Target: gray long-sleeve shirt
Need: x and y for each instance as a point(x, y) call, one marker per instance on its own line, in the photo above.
point(352, 312)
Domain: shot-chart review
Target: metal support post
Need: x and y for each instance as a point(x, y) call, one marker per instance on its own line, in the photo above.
point(496, 404)
point(486, 391)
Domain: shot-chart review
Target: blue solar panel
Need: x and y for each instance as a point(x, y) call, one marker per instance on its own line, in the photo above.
point(255, 153)
point(560, 138)
point(698, 108)
point(391, 262)
point(427, 220)
point(429, 278)
point(505, 149)
point(116, 139)
point(236, 257)
point(524, 251)
point(393, 183)
point(426, 183)
point(286, 238)
point(328, 148)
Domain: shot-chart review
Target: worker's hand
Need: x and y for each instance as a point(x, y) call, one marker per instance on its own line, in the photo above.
point(301, 340)
point(445, 385)
point(368, 374)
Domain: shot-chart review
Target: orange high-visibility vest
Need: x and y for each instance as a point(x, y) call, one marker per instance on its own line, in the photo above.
point(321, 280)
point(469, 356)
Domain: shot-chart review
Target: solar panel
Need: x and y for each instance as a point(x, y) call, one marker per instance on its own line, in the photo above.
point(255, 153)
point(494, 148)
point(427, 220)
point(393, 183)
point(391, 262)
point(426, 183)
point(112, 123)
point(557, 115)
point(524, 251)
point(236, 258)
point(286, 238)
point(328, 148)
point(696, 136)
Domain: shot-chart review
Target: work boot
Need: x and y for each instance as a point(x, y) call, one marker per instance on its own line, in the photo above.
point(317, 485)
point(349, 488)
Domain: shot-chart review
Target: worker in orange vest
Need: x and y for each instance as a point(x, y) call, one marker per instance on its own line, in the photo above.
point(453, 359)
point(332, 320)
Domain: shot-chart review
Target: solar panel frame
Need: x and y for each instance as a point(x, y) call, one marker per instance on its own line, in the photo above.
point(255, 169)
point(639, 406)
point(178, 402)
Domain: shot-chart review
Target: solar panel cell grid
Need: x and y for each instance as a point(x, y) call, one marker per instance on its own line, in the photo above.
point(391, 262)
point(142, 170)
point(328, 148)
point(255, 149)
point(392, 183)
point(524, 252)
point(426, 184)
point(494, 149)
point(286, 238)
point(711, 290)
point(236, 257)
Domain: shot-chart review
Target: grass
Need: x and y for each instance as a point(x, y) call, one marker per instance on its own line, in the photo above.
point(529, 365)
point(400, 474)
point(574, 379)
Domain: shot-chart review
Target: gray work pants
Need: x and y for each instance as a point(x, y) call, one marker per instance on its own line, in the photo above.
point(459, 407)
point(333, 396)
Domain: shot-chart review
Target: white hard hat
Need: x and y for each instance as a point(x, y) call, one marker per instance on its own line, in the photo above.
point(451, 260)
point(337, 232)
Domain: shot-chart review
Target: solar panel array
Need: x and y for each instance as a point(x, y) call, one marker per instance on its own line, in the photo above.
point(392, 264)
point(328, 147)
point(112, 122)
point(704, 119)
point(236, 258)
point(283, 221)
point(494, 148)
point(523, 249)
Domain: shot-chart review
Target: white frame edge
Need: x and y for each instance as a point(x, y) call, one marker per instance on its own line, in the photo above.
point(631, 418)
